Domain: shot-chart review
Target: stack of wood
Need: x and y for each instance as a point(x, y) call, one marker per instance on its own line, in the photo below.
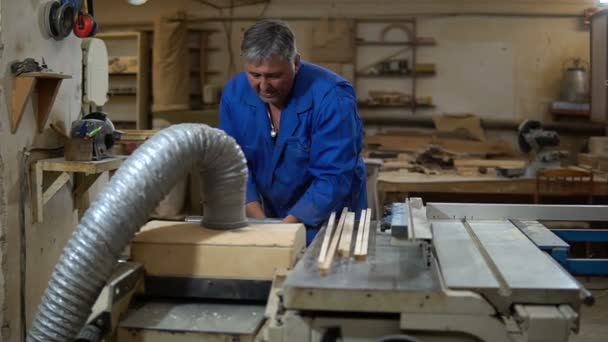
point(338, 239)
point(457, 145)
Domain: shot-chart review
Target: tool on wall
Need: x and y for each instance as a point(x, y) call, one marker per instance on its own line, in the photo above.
point(58, 19)
point(85, 25)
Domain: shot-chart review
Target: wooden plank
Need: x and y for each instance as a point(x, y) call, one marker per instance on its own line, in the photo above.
point(86, 183)
point(333, 236)
point(187, 249)
point(39, 193)
point(90, 167)
point(421, 143)
point(506, 163)
point(360, 231)
point(22, 90)
point(329, 229)
point(347, 235)
point(43, 74)
point(59, 182)
point(144, 120)
point(130, 135)
point(47, 89)
point(365, 240)
point(324, 268)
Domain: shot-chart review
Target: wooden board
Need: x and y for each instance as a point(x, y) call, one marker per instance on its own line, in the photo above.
point(347, 235)
point(506, 163)
point(360, 234)
point(329, 230)
point(326, 265)
point(421, 143)
point(187, 249)
point(90, 167)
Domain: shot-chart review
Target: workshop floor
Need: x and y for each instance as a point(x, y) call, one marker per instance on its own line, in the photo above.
point(593, 321)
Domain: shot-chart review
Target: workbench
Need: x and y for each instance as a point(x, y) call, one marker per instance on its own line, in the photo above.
point(405, 182)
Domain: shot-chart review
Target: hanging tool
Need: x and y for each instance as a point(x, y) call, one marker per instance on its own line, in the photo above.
point(85, 25)
point(58, 19)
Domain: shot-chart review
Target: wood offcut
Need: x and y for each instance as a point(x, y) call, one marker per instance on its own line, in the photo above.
point(326, 265)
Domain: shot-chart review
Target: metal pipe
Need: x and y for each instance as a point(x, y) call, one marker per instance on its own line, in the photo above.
point(123, 207)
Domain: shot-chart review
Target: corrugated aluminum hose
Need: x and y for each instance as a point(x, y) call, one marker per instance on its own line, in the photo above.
point(125, 204)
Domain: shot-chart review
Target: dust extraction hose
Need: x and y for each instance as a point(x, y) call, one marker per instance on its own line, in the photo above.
point(123, 207)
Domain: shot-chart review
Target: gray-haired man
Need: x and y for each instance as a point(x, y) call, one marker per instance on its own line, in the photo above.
point(299, 128)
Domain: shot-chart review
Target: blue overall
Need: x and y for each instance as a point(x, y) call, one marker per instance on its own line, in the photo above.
point(314, 165)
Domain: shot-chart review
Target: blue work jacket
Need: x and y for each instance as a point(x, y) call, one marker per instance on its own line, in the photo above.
point(314, 165)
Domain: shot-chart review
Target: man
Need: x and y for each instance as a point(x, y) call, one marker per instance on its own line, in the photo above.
point(298, 126)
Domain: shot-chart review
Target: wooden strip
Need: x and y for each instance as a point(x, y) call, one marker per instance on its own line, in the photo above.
point(365, 241)
point(347, 235)
point(324, 268)
point(63, 178)
point(329, 229)
point(360, 234)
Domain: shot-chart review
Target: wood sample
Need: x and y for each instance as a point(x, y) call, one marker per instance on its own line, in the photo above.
point(347, 235)
point(329, 229)
point(326, 265)
point(361, 254)
point(360, 232)
point(183, 249)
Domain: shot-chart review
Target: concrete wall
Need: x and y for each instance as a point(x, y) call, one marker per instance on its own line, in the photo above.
point(500, 59)
point(22, 38)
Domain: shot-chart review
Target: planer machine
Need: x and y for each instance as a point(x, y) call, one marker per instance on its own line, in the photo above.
point(441, 272)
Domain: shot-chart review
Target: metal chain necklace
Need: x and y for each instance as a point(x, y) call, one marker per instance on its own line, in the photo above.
point(273, 131)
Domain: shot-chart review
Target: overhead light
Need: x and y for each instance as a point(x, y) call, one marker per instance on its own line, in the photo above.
point(603, 2)
point(137, 2)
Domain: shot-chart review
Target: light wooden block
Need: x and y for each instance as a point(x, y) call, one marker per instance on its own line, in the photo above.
point(184, 249)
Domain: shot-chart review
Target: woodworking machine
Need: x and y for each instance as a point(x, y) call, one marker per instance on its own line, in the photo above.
point(454, 272)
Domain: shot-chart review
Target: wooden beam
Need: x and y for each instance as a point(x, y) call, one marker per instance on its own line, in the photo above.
point(329, 229)
point(365, 241)
point(333, 236)
point(359, 240)
point(59, 182)
point(47, 89)
point(39, 192)
point(84, 185)
point(22, 90)
point(364, 224)
point(324, 268)
point(347, 235)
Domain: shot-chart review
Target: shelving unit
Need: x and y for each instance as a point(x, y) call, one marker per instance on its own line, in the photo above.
point(410, 47)
point(61, 170)
point(45, 85)
point(129, 109)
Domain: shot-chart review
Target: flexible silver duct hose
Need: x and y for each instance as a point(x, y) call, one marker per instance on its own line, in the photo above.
point(123, 207)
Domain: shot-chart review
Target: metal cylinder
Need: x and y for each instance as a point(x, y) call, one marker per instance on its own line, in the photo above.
point(125, 204)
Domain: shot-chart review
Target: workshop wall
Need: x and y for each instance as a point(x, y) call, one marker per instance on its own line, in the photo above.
point(22, 38)
point(496, 59)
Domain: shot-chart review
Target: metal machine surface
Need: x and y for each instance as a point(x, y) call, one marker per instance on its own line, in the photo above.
point(453, 278)
point(459, 272)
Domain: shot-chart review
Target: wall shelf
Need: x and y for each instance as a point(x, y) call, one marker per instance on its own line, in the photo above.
point(418, 42)
point(414, 74)
point(363, 105)
point(61, 169)
point(45, 84)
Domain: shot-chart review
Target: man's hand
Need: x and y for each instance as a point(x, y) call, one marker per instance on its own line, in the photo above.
point(290, 219)
point(254, 210)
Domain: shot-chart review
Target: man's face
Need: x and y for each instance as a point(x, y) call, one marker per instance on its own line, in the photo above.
point(272, 79)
